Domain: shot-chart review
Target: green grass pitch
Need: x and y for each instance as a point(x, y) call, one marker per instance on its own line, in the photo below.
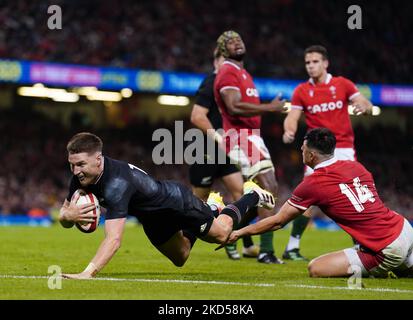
point(139, 271)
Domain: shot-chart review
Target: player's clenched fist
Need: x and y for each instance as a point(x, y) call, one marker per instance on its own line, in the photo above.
point(288, 137)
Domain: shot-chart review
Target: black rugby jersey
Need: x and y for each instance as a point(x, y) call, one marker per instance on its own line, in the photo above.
point(125, 189)
point(205, 98)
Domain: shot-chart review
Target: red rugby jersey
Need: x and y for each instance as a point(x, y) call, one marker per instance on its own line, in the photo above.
point(232, 76)
point(326, 105)
point(345, 191)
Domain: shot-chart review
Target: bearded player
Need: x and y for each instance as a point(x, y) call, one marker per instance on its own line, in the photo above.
point(205, 116)
point(241, 109)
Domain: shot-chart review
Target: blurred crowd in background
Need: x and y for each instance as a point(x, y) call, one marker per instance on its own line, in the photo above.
point(180, 35)
point(34, 173)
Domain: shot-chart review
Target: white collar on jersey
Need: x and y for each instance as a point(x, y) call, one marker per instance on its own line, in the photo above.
point(328, 79)
point(326, 163)
point(231, 63)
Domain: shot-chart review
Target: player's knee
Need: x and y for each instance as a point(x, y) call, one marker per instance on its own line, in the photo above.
point(314, 269)
point(222, 236)
point(179, 262)
point(180, 259)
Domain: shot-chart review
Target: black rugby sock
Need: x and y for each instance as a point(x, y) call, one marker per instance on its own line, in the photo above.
point(299, 225)
point(247, 241)
point(239, 208)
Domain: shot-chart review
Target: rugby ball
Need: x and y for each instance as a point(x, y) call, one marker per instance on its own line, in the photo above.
point(88, 198)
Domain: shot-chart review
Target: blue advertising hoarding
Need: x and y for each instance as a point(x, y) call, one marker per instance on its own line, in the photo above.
point(67, 75)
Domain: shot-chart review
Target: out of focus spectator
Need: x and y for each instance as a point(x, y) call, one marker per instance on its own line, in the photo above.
point(34, 172)
point(175, 34)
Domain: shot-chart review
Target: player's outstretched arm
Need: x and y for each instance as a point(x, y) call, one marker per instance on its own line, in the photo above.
point(232, 100)
point(290, 125)
point(361, 105)
point(285, 215)
point(107, 249)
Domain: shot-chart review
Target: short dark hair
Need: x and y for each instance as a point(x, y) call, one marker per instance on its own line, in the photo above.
point(84, 142)
point(319, 49)
point(321, 139)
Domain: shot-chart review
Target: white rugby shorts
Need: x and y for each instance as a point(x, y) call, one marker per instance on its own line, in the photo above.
point(397, 254)
point(249, 153)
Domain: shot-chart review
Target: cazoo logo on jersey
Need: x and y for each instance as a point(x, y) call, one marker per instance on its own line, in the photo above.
point(252, 92)
point(325, 107)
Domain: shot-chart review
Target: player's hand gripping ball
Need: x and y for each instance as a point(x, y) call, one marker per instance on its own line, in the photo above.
point(84, 198)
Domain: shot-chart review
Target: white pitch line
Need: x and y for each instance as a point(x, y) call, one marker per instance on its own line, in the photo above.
point(5, 276)
point(153, 280)
point(347, 288)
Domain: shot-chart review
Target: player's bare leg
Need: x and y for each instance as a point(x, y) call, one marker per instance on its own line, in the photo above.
point(233, 183)
point(220, 229)
point(333, 264)
point(267, 181)
point(231, 215)
point(176, 249)
point(201, 193)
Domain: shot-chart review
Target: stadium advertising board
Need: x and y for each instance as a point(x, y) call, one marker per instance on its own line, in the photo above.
point(58, 74)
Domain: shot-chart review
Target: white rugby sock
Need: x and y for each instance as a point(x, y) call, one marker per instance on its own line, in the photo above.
point(293, 243)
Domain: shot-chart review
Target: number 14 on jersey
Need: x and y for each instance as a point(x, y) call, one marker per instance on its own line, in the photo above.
point(363, 194)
